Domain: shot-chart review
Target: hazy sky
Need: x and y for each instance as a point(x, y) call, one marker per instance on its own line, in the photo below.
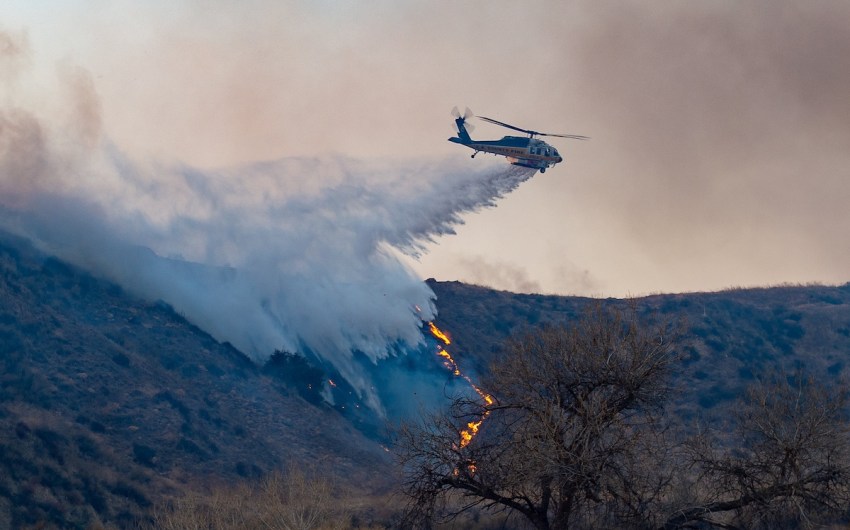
point(720, 151)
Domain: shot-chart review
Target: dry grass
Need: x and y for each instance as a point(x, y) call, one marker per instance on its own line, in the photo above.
point(297, 500)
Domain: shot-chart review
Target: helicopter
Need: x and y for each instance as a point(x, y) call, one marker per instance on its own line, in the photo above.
point(520, 151)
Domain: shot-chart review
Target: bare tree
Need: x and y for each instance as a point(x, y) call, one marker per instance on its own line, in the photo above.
point(786, 463)
point(573, 438)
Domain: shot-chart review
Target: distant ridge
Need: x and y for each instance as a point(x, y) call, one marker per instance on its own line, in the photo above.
point(729, 337)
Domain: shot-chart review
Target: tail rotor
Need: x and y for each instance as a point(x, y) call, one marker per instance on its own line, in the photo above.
point(464, 118)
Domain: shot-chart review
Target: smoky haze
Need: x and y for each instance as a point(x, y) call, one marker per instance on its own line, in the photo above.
point(719, 129)
point(294, 254)
point(730, 119)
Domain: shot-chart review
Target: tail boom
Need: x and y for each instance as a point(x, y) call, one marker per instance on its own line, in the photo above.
point(462, 134)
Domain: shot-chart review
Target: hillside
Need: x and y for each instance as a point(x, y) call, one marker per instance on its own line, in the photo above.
point(728, 337)
point(109, 403)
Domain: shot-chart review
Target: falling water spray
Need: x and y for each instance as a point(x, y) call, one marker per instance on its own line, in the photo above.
point(298, 254)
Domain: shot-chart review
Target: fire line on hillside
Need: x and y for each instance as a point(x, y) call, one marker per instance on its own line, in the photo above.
point(468, 434)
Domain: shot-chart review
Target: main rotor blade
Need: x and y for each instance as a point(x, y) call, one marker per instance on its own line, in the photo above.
point(534, 133)
point(497, 122)
point(573, 136)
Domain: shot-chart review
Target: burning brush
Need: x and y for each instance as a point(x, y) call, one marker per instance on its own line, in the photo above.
point(468, 434)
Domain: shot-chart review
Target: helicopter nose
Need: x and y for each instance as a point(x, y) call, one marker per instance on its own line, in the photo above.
point(560, 159)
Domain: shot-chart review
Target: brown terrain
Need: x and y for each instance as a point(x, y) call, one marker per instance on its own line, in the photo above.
point(110, 404)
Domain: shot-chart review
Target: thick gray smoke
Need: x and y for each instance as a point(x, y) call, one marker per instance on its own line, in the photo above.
point(296, 254)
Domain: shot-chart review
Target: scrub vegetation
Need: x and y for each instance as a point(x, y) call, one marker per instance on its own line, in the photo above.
point(578, 438)
point(672, 411)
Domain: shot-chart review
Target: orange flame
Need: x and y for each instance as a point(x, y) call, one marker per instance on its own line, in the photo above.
point(437, 332)
point(468, 434)
point(471, 467)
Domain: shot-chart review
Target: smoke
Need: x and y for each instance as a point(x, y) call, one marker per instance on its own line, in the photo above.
point(731, 118)
point(299, 254)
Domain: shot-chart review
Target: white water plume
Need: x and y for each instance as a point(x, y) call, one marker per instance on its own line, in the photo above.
point(295, 254)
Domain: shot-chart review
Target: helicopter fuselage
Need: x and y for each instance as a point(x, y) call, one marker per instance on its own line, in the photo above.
point(519, 150)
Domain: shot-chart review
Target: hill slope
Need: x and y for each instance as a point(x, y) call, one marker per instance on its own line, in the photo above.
point(108, 402)
point(729, 337)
